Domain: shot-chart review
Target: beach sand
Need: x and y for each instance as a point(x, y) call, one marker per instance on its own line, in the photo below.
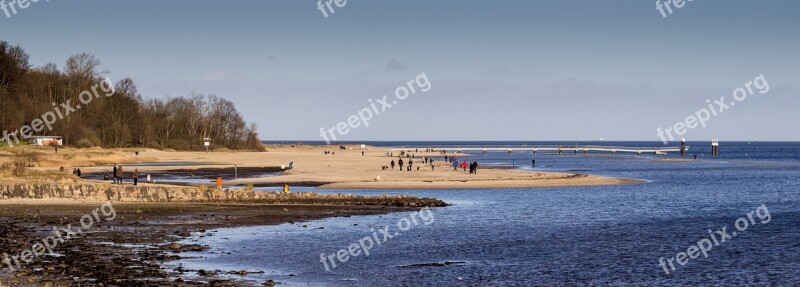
point(348, 169)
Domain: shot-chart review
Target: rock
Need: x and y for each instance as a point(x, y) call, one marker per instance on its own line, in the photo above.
point(269, 283)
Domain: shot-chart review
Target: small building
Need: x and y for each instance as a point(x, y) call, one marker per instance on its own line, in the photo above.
point(46, 140)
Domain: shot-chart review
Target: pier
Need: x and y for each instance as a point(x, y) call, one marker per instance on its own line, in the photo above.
point(575, 149)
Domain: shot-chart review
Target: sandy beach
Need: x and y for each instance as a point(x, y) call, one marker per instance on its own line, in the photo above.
point(142, 237)
point(348, 169)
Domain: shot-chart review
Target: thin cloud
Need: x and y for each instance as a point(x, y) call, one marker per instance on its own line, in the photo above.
point(395, 66)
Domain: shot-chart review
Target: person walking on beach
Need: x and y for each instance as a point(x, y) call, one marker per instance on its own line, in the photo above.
point(118, 175)
point(392, 164)
point(114, 174)
point(135, 177)
point(464, 165)
point(400, 163)
point(455, 165)
point(410, 164)
point(219, 182)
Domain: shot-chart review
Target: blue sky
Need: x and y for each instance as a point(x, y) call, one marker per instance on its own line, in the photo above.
point(500, 70)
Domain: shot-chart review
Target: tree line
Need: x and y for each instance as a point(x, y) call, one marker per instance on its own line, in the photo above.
point(124, 119)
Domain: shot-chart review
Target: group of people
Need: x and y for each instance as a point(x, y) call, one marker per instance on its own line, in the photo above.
point(473, 166)
point(118, 174)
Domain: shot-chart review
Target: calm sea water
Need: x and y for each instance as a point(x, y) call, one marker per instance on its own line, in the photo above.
point(610, 235)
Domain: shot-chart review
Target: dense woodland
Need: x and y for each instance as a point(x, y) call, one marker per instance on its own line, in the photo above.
point(125, 119)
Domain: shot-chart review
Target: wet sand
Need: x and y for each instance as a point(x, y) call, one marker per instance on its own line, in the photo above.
point(130, 249)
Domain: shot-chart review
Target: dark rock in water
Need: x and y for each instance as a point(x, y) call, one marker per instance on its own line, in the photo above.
point(269, 283)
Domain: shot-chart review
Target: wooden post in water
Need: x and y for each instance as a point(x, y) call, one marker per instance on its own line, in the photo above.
point(683, 147)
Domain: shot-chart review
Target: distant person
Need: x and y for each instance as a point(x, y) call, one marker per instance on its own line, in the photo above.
point(392, 164)
point(114, 174)
point(533, 163)
point(455, 165)
point(410, 163)
point(362, 153)
point(464, 165)
point(105, 175)
point(400, 163)
point(286, 188)
point(148, 179)
point(219, 182)
point(135, 177)
point(78, 172)
point(475, 167)
point(119, 174)
point(695, 157)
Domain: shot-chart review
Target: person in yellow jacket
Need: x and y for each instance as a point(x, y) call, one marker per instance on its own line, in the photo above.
point(285, 188)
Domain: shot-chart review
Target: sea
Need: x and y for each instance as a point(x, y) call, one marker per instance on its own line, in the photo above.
point(684, 213)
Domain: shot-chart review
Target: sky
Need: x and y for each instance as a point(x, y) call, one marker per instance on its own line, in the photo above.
point(497, 70)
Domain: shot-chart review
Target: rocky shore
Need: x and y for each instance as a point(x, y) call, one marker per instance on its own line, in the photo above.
point(131, 249)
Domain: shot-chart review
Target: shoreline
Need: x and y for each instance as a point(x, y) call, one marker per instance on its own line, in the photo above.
point(313, 166)
point(142, 238)
point(349, 169)
point(152, 218)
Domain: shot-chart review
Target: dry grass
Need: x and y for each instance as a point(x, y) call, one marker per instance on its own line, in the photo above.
point(70, 157)
point(26, 162)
